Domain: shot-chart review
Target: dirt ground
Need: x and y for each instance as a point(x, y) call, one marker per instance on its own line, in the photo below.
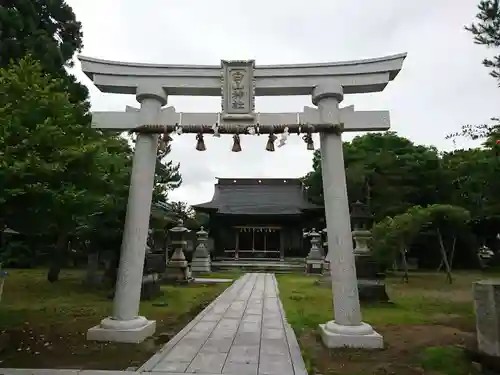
point(404, 345)
point(44, 325)
point(426, 330)
point(65, 346)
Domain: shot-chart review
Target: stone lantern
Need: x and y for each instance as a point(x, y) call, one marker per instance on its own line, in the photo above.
point(314, 260)
point(201, 257)
point(177, 267)
point(361, 219)
point(371, 283)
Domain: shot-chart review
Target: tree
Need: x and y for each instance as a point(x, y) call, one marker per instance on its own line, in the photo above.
point(46, 29)
point(167, 175)
point(396, 235)
point(49, 32)
point(55, 171)
point(387, 171)
point(471, 179)
point(449, 221)
point(181, 210)
point(486, 32)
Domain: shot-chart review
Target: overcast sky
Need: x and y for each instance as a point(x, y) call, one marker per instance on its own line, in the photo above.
point(442, 85)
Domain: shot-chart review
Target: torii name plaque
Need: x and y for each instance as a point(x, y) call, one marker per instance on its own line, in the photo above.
point(238, 90)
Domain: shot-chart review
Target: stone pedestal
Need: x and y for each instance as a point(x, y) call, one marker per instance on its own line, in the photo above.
point(314, 267)
point(154, 266)
point(347, 328)
point(314, 260)
point(151, 287)
point(201, 263)
point(128, 331)
point(362, 336)
point(371, 282)
point(177, 269)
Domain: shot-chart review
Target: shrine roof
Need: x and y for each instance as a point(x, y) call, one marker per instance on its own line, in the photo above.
point(258, 196)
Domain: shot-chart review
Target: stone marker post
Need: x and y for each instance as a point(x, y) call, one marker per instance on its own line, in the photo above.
point(487, 310)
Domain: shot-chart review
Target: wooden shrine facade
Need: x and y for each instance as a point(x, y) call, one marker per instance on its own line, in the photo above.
point(259, 218)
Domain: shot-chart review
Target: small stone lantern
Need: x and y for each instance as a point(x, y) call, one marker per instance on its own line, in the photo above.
point(201, 257)
point(177, 267)
point(371, 283)
point(314, 260)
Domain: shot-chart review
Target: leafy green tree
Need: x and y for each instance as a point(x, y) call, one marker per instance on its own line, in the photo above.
point(55, 173)
point(448, 221)
point(167, 174)
point(49, 32)
point(387, 171)
point(394, 236)
point(181, 210)
point(472, 181)
point(46, 29)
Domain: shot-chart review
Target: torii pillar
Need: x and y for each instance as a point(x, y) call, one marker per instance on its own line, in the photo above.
point(347, 328)
point(126, 325)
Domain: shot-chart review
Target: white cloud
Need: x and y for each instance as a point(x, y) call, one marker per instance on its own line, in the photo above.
point(442, 85)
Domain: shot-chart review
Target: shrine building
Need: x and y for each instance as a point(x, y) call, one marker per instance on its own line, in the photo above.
point(263, 218)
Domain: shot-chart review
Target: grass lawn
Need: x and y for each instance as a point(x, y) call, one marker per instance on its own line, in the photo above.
point(44, 325)
point(423, 330)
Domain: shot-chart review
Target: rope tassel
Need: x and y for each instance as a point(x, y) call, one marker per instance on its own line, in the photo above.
point(164, 140)
point(284, 137)
point(270, 142)
point(200, 142)
point(215, 129)
point(236, 143)
point(308, 139)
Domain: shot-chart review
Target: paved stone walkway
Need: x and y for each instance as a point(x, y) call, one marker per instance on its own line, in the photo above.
point(242, 332)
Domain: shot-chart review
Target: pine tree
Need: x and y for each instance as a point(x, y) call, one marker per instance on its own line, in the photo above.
point(486, 32)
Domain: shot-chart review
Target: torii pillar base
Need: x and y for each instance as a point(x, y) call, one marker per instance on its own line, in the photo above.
point(362, 336)
point(126, 331)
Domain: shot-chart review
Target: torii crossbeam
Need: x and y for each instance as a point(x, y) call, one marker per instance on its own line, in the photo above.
point(309, 118)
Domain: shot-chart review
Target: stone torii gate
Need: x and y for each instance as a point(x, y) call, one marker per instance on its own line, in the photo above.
point(238, 82)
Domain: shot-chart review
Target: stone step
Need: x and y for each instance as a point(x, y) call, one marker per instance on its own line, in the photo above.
point(257, 266)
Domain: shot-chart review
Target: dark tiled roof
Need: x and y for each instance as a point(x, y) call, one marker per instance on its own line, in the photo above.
point(266, 196)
